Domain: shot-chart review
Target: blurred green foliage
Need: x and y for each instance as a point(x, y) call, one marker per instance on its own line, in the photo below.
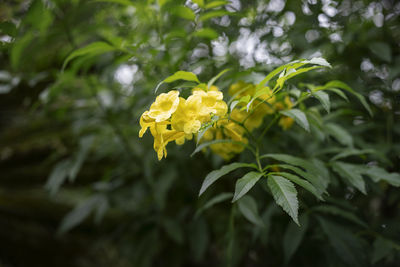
point(79, 188)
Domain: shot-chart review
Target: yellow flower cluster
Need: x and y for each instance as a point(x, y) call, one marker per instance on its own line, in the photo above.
point(174, 118)
point(232, 127)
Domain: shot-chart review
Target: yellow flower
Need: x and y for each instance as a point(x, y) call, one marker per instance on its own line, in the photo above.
point(164, 106)
point(186, 117)
point(162, 136)
point(286, 122)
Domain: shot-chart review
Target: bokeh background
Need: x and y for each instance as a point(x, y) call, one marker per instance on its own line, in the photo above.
point(79, 188)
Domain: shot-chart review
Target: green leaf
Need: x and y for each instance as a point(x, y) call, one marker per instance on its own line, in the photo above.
point(350, 173)
point(340, 134)
point(352, 152)
point(216, 174)
point(298, 116)
point(18, 48)
point(199, 2)
point(314, 174)
point(214, 14)
point(379, 174)
point(293, 236)
point(382, 249)
point(216, 77)
point(92, 49)
point(248, 207)
point(309, 176)
point(244, 184)
point(122, 2)
point(97, 203)
point(339, 93)
point(173, 230)
point(324, 99)
point(58, 176)
point(342, 85)
point(182, 75)
point(183, 12)
point(346, 245)
point(285, 195)
point(213, 201)
point(303, 183)
point(214, 4)
point(206, 33)
point(381, 50)
point(333, 210)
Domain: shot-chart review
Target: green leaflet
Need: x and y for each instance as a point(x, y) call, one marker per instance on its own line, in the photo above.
point(285, 195)
point(244, 184)
point(298, 116)
point(215, 175)
point(350, 173)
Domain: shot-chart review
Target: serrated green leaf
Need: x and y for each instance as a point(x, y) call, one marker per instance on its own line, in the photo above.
point(298, 116)
point(350, 173)
point(244, 184)
point(293, 236)
point(248, 207)
point(303, 183)
point(340, 134)
point(324, 99)
point(285, 195)
point(216, 174)
point(92, 49)
point(314, 174)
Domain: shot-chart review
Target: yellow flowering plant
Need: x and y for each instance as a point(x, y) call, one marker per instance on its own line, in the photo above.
point(237, 121)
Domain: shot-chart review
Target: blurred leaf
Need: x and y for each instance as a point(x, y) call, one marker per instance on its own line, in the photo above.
point(342, 85)
point(379, 174)
point(285, 195)
point(206, 33)
point(382, 248)
point(182, 75)
point(214, 14)
point(215, 175)
point(122, 2)
point(58, 176)
point(199, 2)
point(293, 236)
point(218, 141)
point(92, 49)
point(199, 238)
point(298, 116)
point(214, 4)
point(350, 173)
point(333, 210)
point(340, 134)
point(174, 230)
point(248, 207)
point(216, 77)
point(183, 12)
point(215, 200)
point(352, 152)
point(97, 203)
point(324, 99)
point(381, 50)
point(18, 48)
point(244, 184)
point(344, 243)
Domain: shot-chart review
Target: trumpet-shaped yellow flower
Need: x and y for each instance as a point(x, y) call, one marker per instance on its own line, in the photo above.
point(164, 106)
point(162, 136)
